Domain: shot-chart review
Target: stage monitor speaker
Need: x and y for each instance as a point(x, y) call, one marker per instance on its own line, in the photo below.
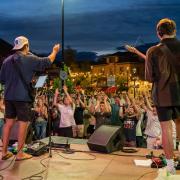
point(106, 139)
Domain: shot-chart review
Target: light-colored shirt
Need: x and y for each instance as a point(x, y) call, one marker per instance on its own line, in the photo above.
point(138, 126)
point(174, 130)
point(1, 115)
point(67, 116)
point(153, 127)
point(122, 101)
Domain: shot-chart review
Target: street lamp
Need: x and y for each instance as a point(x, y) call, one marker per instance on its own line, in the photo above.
point(62, 42)
point(62, 30)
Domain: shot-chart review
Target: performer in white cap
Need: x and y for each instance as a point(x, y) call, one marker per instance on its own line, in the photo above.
point(16, 95)
point(19, 42)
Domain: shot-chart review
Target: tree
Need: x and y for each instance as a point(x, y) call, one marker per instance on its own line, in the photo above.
point(121, 82)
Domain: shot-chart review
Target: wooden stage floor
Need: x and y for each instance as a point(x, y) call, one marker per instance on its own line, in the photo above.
point(80, 166)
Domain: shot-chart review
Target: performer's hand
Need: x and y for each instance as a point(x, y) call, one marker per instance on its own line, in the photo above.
point(56, 48)
point(131, 48)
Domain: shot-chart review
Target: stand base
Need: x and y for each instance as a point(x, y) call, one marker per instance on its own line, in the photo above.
point(59, 145)
point(68, 151)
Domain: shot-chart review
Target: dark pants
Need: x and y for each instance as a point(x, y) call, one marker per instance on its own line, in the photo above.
point(66, 132)
point(140, 142)
point(55, 126)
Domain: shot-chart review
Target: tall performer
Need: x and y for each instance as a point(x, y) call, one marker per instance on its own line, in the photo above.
point(17, 97)
point(162, 68)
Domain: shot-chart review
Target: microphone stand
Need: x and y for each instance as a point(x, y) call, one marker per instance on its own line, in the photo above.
point(49, 119)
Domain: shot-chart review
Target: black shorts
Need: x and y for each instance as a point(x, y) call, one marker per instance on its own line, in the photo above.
point(19, 109)
point(66, 132)
point(168, 113)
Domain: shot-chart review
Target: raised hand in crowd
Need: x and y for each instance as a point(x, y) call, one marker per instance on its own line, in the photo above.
point(57, 91)
point(107, 105)
point(147, 102)
point(127, 99)
point(105, 98)
point(65, 88)
point(55, 97)
point(99, 97)
point(80, 100)
point(67, 94)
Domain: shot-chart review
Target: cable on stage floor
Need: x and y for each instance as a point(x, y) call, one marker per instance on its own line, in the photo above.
point(128, 155)
point(149, 172)
point(129, 150)
point(14, 158)
point(37, 176)
point(96, 152)
point(83, 159)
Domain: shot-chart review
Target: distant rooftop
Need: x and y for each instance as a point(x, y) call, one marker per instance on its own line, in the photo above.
point(126, 57)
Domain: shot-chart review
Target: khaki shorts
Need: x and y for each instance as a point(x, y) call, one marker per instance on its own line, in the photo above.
point(80, 130)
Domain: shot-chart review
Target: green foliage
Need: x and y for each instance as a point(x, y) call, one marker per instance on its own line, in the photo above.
point(65, 68)
point(121, 82)
point(68, 81)
point(56, 83)
point(70, 85)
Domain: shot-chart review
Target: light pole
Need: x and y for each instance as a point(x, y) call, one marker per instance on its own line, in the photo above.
point(62, 30)
point(62, 43)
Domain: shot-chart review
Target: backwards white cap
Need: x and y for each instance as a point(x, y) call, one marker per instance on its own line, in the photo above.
point(19, 42)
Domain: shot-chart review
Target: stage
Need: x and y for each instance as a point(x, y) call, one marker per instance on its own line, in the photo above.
point(80, 165)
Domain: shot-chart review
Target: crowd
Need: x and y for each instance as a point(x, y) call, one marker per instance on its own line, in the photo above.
point(79, 114)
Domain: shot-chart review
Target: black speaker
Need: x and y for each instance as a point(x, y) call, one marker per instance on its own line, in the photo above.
point(106, 139)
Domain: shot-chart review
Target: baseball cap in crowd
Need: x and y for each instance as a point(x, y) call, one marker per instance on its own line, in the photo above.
point(19, 42)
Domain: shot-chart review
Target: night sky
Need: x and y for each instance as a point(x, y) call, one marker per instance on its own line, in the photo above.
point(90, 25)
